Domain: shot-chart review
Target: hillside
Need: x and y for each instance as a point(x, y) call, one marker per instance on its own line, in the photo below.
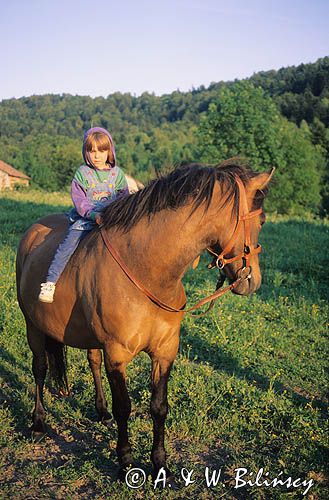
point(41, 135)
point(70, 115)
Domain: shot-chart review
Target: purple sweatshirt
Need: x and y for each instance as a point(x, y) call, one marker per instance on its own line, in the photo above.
point(92, 190)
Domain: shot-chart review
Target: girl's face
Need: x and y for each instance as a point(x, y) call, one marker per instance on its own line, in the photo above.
point(98, 157)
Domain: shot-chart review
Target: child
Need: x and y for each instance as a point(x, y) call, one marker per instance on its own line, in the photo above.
point(94, 186)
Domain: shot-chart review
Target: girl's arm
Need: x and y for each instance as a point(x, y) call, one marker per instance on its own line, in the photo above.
point(83, 206)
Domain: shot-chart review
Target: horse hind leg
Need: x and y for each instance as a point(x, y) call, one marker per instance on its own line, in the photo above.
point(37, 343)
point(47, 353)
point(95, 363)
point(56, 360)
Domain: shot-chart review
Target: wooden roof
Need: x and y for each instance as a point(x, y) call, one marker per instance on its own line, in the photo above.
point(12, 171)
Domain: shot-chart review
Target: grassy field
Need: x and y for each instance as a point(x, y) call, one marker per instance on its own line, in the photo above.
point(248, 388)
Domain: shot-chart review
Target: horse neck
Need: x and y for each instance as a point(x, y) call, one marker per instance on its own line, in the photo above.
point(161, 250)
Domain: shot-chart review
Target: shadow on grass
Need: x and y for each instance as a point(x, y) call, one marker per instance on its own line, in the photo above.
point(10, 391)
point(294, 263)
point(223, 361)
point(79, 441)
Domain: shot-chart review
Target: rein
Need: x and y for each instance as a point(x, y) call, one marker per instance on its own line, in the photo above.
point(219, 260)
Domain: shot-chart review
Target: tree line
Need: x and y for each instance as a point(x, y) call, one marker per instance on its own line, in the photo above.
point(275, 118)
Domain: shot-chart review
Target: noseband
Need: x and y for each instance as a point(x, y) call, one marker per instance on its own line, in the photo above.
point(244, 217)
point(219, 261)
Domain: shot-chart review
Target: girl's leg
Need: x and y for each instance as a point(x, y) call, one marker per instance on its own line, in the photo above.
point(63, 254)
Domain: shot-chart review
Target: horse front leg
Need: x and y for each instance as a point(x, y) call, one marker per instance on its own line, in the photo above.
point(95, 363)
point(159, 409)
point(121, 407)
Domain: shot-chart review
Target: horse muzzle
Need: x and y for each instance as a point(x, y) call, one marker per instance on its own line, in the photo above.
point(249, 283)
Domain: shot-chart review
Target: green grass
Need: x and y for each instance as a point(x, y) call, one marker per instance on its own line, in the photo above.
point(248, 388)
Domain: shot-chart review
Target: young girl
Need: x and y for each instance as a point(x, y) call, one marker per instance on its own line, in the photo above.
point(95, 184)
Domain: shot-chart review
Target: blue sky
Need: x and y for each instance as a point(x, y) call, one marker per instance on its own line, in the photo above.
point(97, 48)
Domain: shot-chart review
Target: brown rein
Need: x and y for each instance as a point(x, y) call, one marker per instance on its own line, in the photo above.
point(220, 260)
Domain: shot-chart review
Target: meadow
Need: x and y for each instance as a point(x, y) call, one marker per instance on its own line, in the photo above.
point(248, 389)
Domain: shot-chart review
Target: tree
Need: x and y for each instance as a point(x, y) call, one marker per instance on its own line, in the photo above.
point(243, 121)
point(298, 179)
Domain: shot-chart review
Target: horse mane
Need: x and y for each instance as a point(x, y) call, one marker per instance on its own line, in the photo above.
point(193, 182)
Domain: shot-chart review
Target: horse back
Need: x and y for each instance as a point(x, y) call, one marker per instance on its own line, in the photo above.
point(42, 237)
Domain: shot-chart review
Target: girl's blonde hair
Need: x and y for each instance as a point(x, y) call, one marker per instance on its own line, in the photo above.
point(102, 142)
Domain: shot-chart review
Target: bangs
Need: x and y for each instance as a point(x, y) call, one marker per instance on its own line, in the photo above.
point(101, 140)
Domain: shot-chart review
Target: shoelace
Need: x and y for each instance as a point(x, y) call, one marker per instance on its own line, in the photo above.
point(45, 287)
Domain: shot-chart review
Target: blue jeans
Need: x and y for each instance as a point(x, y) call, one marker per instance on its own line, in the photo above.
point(64, 252)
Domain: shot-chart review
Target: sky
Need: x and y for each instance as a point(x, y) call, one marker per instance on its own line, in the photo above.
point(98, 48)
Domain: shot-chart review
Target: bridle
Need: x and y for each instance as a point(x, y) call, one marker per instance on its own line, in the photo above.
point(220, 260)
point(244, 217)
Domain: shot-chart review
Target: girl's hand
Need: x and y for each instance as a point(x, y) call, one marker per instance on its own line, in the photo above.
point(98, 219)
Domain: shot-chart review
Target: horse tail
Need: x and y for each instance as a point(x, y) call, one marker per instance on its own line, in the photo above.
point(56, 356)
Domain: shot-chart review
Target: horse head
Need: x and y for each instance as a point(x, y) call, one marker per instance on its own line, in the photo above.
point(236, 251)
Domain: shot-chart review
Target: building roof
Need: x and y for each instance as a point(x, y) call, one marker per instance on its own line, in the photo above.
point(12, 171)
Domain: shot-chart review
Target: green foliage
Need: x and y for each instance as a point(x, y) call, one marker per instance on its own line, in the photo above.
point(297, 189)
point(50, 161)
point(301, 92)
point(42, 135)
point(243, 121)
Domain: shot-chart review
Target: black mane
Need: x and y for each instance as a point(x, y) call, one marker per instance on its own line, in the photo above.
point(193, 182)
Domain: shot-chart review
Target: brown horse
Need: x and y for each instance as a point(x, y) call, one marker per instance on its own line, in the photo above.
point(158, 232)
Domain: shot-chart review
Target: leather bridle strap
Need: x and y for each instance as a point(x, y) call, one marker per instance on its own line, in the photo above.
point(244, 217)
point(150, 295)
point(127, 272)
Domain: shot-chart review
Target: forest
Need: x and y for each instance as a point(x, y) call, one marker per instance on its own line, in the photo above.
point(274, 118)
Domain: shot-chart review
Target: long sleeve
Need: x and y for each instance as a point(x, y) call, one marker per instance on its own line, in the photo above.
point(83, 206)
point(123, 192)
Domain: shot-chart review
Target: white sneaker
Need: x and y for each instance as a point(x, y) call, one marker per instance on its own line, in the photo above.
point(47, 292)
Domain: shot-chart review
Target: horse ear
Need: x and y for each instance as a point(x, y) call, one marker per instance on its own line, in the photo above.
point(260, 181)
